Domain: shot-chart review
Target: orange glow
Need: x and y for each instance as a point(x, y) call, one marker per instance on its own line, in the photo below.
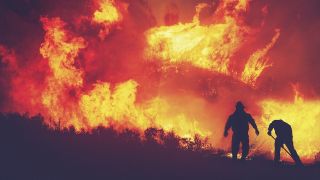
point(162, 113)
point(118, 108)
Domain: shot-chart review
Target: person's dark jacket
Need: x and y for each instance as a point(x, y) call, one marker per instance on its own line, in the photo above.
point(283, 130)
point(239, 122)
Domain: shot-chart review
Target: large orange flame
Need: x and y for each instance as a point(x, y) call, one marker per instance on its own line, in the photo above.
point(209, 46)
point(67, 105)
point(61, 49)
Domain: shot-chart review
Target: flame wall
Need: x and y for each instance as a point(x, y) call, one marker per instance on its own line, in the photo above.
point(176, 65)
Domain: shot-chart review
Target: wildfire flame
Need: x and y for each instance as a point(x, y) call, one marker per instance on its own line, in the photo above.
point(257, 62)
point(107, 13)
point(67, 105)
point(209, 46)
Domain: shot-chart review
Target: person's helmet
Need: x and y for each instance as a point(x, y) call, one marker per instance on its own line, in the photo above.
point(239, 105)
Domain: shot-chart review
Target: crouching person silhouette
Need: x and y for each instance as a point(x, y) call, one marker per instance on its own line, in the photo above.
point(284, 136)
point(239, 122)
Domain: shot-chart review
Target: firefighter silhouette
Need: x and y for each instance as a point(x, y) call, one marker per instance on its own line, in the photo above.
point(284, 136)
point(239, 122)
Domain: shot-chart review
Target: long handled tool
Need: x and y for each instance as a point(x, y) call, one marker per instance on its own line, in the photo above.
point(283, 147)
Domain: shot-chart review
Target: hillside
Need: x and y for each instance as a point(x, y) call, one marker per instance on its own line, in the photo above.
point(29, 150)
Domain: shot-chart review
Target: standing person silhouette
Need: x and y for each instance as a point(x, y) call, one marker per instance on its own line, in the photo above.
point(284, 136)
point(239, 122)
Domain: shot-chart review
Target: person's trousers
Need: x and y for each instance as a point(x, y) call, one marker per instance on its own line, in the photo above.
point(236, 140)
point(289, 143)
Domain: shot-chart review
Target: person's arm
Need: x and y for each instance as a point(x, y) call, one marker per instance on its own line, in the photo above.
point(270, 128)
point(227, 126)
point(253, 124)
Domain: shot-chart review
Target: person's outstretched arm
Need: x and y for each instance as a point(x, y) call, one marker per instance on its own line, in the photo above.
point(227, 126)
point(253, 124)
point(270, 128)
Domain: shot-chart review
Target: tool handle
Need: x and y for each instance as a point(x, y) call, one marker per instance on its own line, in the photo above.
point(282, 146)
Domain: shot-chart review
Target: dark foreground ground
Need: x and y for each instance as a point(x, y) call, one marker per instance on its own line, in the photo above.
point(29, 150)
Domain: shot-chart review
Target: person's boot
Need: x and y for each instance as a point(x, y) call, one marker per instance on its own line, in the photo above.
point(243, 158)
point(277, 163)
point(234, 158)
point(299, 164)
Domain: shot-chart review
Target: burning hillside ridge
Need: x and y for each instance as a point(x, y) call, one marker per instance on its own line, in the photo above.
point(102, 65)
